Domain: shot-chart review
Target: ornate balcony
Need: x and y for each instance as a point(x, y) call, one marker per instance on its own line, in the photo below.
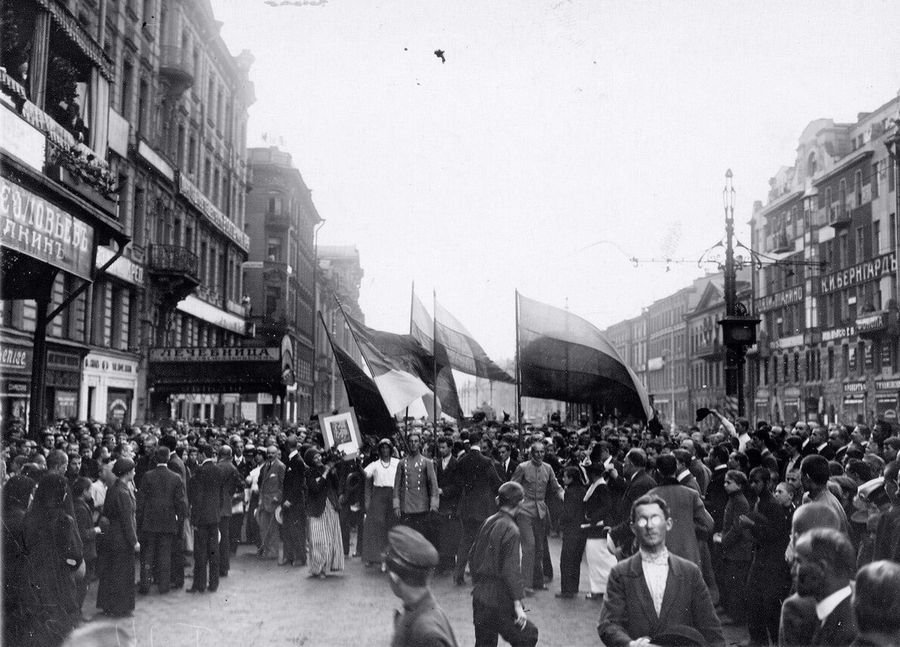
point(176, 69)
point(175, 270)
point(278, 220)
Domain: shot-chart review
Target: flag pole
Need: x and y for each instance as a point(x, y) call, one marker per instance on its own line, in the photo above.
point(434, 412)
point(518, 380)
point(412, 299)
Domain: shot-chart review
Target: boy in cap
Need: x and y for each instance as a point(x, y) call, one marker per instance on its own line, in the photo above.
point(497, 574)
point(411, 560)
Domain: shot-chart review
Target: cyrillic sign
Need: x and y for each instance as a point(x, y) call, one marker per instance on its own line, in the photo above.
point(225, 354)
point(783, 298)
point(31, 225)
point(207, 208)
point(859, 273)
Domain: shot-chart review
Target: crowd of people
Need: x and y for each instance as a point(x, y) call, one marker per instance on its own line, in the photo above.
point(792, 532)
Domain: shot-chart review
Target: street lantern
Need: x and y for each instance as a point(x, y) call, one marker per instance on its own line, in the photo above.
point(738, 328)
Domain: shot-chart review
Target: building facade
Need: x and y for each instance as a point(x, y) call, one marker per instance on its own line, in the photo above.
point(141, 102)
point(281, 222)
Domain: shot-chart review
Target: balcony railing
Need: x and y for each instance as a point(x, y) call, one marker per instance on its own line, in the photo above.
point(177, 68)
point(278, 220)
point(174, 260)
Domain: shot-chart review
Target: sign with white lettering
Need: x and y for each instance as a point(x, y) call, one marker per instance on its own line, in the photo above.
point(123, 268)
point(887, 385)
point(861, 272)
point(779, 299)
point(34, 227)
point(854, 387)
point(838, 333)
point(224, 354)
point(15, 358)
point(195, 196)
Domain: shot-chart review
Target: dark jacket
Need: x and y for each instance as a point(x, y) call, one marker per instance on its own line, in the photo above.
point(507, 473)
point(84, 519)
point(160, 501)
point(448, 485)
point(119, 509)
point(632, 489)
point(573, 508)
point(479, 482)
point(599, 512)
point(839, 628)
point(424, 624)
point(232, 486)
point(716, 498)
point(295, 481)
point(206, 494)
point(737, 542)
point(628, 612)
point(320, 488)
point(689, 516)
point(495, 563)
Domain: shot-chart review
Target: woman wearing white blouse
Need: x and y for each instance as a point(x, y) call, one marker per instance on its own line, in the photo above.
point(379, 497)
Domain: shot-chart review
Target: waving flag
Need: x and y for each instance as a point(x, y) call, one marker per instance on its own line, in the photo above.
point(372, 414)
point(564, 357)
point(463, 352)
point(421, 327)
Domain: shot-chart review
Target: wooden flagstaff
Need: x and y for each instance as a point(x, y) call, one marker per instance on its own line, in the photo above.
point(434, 413)
point(518, 381)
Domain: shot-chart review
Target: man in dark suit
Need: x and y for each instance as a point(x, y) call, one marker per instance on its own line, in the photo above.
point(634, 484)
point(232, 494)
point(715, 500)
point(824, 566)
point(655, 595)
point(447, 526)
point(686, 509)
point(506, 465)
point(206, 503)
point(160, 513)
point(293, 507)
point(478, 481)
point(176, 465)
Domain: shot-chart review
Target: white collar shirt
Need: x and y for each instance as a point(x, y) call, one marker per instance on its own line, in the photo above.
point(828, 604)
point(656, 573)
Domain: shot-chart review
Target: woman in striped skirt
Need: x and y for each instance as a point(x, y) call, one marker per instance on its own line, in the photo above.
point(326, 551)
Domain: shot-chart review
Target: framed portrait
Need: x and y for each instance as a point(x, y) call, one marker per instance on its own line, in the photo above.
point(342, 432)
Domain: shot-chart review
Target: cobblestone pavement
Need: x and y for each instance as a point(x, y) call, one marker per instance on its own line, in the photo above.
point(263, 604)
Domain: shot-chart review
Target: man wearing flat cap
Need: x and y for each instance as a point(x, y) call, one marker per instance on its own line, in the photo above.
point(411, 560)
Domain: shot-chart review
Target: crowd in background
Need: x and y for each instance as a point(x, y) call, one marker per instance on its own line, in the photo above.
point(127, 508)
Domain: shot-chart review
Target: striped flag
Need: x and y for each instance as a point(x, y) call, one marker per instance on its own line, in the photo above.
point(421, 327)
point(564, 357)
point(463, 352)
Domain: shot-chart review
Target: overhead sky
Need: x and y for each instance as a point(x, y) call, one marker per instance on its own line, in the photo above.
point(553, 141)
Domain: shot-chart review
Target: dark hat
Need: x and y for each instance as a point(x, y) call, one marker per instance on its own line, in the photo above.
point(122, 466)
point(679, 636)
point(385, 441)
point(310, 454)
point(410, 555)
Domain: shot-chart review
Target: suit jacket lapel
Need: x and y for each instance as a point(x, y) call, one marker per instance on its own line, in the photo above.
point(673, 584)
point(637, 571)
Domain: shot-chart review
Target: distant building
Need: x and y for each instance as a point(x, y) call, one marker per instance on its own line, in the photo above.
point(280, 274)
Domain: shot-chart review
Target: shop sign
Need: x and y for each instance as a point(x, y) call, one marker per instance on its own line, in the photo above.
point(887, 385)
point(110, 365)
point(871, 323)
point(855, 387)
point(838, 333)
point(235, 354)
point(15, 358)
point(886, 354)
point(779, 299)
point(787, 342)
point(868, 356)
point(21, 140)
point(153, 159)
point(855, 399)
point(123, 268)
point(195, 196)
point(33, 226)
point(866, 271)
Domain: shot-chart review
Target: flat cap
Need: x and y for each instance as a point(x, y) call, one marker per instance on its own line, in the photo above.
point(410, 555)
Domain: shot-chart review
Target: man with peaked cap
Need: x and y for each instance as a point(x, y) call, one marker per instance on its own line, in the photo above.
point(411, 560)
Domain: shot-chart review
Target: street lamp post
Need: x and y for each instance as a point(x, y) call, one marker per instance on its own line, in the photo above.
point(738, 327)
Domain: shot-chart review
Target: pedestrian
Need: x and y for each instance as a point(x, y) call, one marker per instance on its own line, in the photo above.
point(537, 480)
point(686, 509)
point(271, 491)
point(415, 495)
point(17, 493)
point(232, 494)
point(293, 506)
point(88, 531)
point(411, 560)
point(737, 545)
point(656, 594)
point(206, 503)
point(573, 536)
point(115, 592)
point(876, 604)
point(478, 481)
point(53, 554)
point(599, 510)
point(824, 567)
point(497, 575)
point(447, 529)
point(379, 494)
point(326, 550)
point(632, 484)
point(160, 513)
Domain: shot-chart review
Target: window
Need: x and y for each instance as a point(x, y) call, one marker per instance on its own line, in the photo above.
point(125, 95)
point(273, 249)
point(876, 236)
point(873, 181)
point(857, 189)
point(139, 214)
point(143, 108)
point(796, 367)
point(893, 234)
point(860, 244)
point(830, 362)
point(775, 369)
point(192, 157)
point(842, 197)
point(843, 250)
point(829, 206)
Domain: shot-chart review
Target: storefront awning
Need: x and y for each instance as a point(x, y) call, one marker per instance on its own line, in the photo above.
point(216, 370)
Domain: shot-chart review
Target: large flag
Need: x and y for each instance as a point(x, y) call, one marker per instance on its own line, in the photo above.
point(564, 357)
point(396, 369)
point(421, 327)
point(464, 353)
point(372, 414)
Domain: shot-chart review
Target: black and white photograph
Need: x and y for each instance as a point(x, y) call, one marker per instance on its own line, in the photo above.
point(374, 322)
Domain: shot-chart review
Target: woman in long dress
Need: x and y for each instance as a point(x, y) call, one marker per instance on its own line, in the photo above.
point(379, 496)
point(326, 550)
point(53, 554)
point(115, 593)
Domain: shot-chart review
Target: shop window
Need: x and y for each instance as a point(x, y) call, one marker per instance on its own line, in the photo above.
point(830, 363)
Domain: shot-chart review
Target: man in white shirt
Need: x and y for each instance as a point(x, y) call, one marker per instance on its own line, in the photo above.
point(678, 607)
point(824, 565)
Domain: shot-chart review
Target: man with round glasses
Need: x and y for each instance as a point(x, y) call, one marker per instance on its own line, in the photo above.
point(655, 597)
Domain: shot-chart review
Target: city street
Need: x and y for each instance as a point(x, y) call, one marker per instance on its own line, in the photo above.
point(263, 604)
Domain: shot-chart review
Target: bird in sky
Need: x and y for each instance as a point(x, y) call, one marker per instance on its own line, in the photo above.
point(440, 54)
